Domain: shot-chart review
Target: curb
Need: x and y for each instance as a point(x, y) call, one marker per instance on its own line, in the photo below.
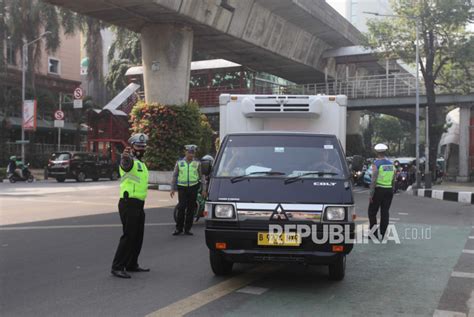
point(462, 197)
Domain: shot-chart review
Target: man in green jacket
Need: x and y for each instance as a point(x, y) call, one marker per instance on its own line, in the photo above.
point(381, 190)
point(133, 192)
point(187, 179)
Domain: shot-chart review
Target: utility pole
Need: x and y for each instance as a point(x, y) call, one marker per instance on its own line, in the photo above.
point(59, 129)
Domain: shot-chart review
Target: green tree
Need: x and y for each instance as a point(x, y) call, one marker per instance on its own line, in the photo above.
point(124, 52)
point(389, 130)
point(444, 42)
point(25, 20)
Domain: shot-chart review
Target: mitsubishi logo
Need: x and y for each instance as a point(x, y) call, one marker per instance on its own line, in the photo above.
point(279, 213)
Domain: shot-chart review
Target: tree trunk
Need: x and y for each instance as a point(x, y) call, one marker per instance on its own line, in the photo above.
point(436, 121)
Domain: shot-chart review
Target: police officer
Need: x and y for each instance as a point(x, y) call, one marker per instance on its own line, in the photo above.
point(187, 179)
point(133, 192)
point(381, 189)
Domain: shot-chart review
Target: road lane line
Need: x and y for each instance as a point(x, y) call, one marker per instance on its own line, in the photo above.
point(403, 213)
point(468, 251)
point(395, 219)
point(447, 313)
point(252, 290)
point(470, 237)
point(199, 299)
point(462, 274)
point(79, 226)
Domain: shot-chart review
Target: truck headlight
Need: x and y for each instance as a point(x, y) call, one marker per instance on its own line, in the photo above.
point(224, 211)
point(335, 213)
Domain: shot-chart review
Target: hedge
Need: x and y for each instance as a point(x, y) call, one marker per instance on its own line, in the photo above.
point(169, 129)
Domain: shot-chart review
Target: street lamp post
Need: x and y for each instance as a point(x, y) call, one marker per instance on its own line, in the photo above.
point(24, 64)
point(417, 96)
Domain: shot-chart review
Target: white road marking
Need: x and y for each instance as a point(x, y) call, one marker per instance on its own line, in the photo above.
point(468, 251)
point(462, 274)
point(470, 237)
point(470, 305)
point(446, 313)
point(55, 201)
point(79, 226)
point(199, 299)
point(252, 290)
point(403, 213)
point(395, 219)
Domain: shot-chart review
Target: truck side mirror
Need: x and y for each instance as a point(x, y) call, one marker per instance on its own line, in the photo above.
point(206, 165)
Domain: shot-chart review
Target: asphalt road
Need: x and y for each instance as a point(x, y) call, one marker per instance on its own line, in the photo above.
point(57, 242)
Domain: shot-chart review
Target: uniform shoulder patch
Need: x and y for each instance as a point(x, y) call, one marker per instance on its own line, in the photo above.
point(387, 168)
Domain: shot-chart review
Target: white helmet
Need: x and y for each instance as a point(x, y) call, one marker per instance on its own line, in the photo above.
point(380, 148)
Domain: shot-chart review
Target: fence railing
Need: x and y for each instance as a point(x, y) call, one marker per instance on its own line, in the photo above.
point(40, 148)
point(375, 86)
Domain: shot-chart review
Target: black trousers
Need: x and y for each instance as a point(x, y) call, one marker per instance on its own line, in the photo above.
point(382, 200)
point(132, 216)
point(186, 207)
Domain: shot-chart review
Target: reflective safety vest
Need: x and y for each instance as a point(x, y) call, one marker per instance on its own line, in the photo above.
point(188, 173)
point(135, 182)
point(386, 171)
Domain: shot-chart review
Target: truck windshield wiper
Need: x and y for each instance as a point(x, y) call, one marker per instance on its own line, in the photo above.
point(295, 178)
point(242, 177)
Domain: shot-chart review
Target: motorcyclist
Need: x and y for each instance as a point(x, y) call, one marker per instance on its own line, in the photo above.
point(15, 167)
point(396, 187)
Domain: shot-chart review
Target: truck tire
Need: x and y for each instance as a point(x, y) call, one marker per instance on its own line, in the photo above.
point(337, 270)
point(60, 179)
point(81, 176)
point(219, 265)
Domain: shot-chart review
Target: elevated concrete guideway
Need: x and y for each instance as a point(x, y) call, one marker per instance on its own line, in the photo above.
point(285, 37)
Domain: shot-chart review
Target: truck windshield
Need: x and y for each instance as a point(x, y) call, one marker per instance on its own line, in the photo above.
point(292, 156)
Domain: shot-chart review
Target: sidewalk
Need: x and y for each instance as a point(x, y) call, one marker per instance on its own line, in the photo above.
point(459, 192)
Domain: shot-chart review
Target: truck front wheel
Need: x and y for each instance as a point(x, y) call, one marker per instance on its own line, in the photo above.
point(219, 265)
point(337, 270)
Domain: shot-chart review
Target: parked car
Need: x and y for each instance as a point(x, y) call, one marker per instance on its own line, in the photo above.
point(80, 166)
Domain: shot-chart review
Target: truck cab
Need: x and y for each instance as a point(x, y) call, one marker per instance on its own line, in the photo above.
point(281, 164)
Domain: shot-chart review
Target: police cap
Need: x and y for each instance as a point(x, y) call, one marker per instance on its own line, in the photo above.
point(380, 148)
point(191, 147)
point(138, 139)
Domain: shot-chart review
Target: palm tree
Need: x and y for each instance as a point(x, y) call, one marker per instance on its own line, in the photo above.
point(124, 53)
point(25, 20)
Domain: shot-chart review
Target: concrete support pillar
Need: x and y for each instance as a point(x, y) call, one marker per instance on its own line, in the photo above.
point(353, 122)
point(166, 53)
point(354, 141)
point(464, 122)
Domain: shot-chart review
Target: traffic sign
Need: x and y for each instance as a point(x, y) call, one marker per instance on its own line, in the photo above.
point(22, 142)
point(59, 123)
point(78, 93)
point(59, 115)
point(77, 104)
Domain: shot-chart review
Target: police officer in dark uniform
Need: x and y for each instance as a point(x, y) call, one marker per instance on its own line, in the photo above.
point(381, 189)
point(133, 192)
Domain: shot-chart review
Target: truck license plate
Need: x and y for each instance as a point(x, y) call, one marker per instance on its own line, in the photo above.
point(290, 239)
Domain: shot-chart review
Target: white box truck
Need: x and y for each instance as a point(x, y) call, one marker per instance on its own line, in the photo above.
point(281, 162)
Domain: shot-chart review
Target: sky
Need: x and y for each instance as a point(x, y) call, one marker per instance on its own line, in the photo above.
point(338, 5)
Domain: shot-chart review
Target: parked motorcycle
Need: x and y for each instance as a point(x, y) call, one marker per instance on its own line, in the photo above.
point(26, 175)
